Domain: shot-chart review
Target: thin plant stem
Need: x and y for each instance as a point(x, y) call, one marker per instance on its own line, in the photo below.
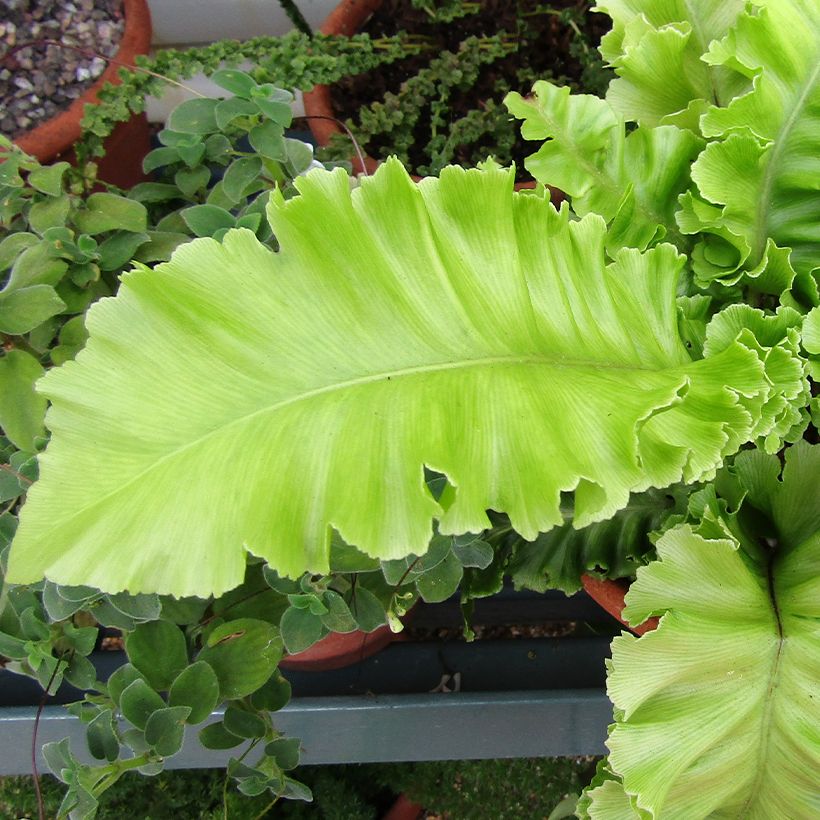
point(41, 809)
point(89, 52)
point(356, 146)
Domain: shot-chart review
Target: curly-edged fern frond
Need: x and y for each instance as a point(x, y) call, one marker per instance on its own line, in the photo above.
point(716, 711)
point(236, 400)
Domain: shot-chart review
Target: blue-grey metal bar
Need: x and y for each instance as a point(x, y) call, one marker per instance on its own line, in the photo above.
point(370, 729)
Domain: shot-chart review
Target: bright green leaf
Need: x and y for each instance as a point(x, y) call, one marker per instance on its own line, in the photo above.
point(410, 339)
point(715, 708)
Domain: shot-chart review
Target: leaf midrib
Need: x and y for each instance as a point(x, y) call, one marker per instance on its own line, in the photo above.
point(382, 376)
point(771, 689)
point(761, 232)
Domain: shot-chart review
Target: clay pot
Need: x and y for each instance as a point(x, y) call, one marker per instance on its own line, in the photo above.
point(609, 595)
point(346, 19)
point(130, 141)
point(337, 650)
point(403, 809)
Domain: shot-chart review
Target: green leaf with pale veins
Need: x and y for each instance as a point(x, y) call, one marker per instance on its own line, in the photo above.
point(717, 709)
point(656, 47)
point(763, 174)
point(631, 180)
point(614, 548)
point(452, 324)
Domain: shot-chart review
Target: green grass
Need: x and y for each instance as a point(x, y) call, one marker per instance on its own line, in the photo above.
point(464, 790)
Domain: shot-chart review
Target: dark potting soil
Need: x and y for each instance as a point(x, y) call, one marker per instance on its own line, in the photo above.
point(40, 81)
point(556, 41)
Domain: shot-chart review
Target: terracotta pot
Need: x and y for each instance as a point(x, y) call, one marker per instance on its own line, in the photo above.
point(128, 144)
point(346, 19)
point(337, 650)
point(610, 594)
point(403, 809)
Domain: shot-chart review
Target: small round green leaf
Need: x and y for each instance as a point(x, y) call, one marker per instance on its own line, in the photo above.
point(243, 723)
point(141, 607)
point(235, 81)
point(110, 212)
point(198, 688)
point(228, 110)
point(138, 702)
point(21, 409)
point(102, 741)
point(158, 158)
point(273, 695)
point(268, 140)
point(243, 653)
point(48, 179)
point(206, 220)
point(367, 610)
point(300, 629)
point(473, 552)
point(338, 617)
point(194, 116)
point(240, 173)
point(191, 180)
point(442, 581)
point(120, 679)
point(158, 650)
point(49, 213)
point(165, 729)
point(22, 310)
point(285, 751)
point(216, 736)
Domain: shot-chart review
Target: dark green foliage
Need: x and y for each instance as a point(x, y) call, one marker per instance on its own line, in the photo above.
point(427, 121)
point(489, 788)
point(501, 789)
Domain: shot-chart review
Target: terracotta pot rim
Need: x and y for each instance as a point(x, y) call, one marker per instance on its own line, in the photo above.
point(609, 595)
point(54, 136)
point(340, 649)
